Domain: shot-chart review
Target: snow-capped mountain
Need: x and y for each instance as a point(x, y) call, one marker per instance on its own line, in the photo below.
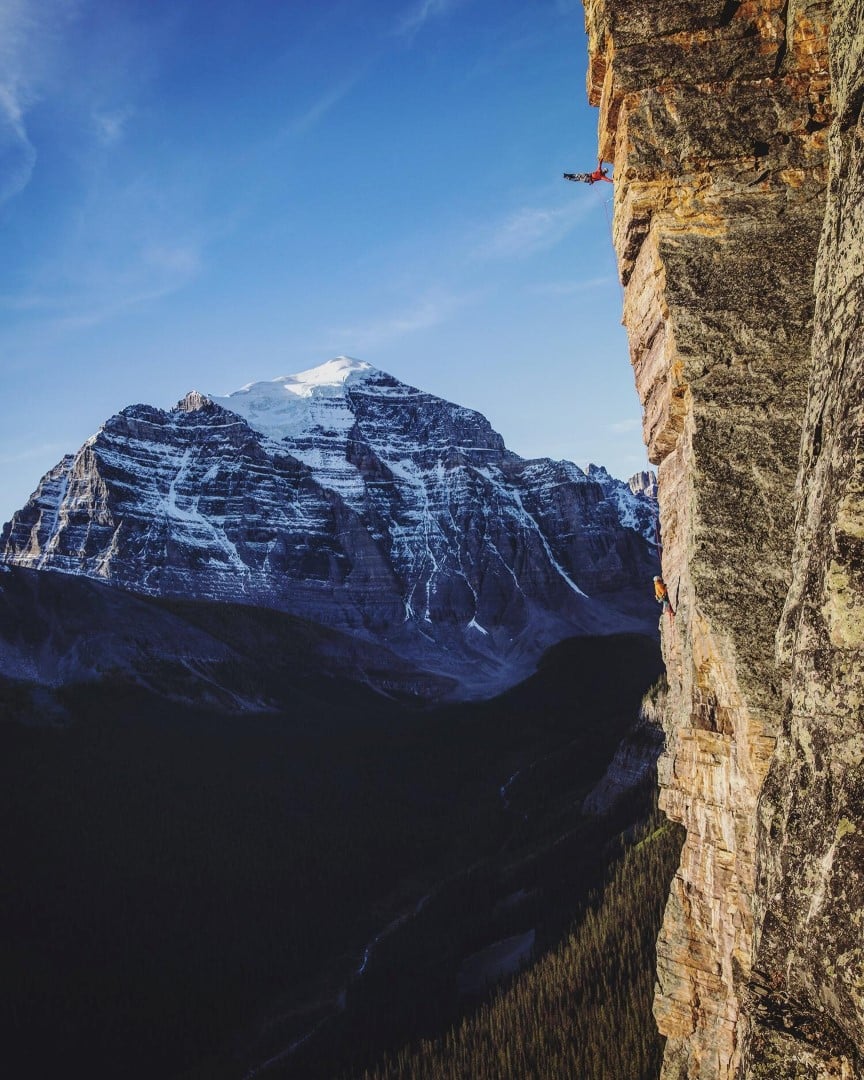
point(345, 496)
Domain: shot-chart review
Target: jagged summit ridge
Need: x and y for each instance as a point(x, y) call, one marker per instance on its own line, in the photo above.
point(346, 496)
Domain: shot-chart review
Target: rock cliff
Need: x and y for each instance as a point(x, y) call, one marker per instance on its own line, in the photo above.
point(644, 482)
point(635, 762)
point(735, 132)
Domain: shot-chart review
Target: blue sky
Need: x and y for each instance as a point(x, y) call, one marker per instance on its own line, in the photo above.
point(202, 193)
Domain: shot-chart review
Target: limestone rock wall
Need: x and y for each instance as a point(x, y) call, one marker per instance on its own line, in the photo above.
point(808, 987)
point(720, 118)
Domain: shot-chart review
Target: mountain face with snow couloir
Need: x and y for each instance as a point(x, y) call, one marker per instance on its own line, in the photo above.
point(350, 499)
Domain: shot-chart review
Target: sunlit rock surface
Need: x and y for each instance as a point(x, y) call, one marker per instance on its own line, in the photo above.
point(644, 483)
point(730, 140)
point(634, 764)
point(809, 997)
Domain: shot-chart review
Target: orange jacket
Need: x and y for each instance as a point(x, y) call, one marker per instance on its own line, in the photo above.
point(660, 591)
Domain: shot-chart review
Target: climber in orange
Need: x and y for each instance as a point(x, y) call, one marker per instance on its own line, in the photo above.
point(591, 178)
point(661, 595)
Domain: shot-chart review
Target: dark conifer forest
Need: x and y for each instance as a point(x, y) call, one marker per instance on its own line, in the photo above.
point(584, 1009)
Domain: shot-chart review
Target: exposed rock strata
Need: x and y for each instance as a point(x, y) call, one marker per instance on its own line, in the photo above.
point(644, 482)
point(808, 1003)
point(348, 498)
point(635, 760)
point(716, 116)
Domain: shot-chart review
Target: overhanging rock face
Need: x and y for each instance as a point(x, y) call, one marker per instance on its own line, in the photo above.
point(719, 117)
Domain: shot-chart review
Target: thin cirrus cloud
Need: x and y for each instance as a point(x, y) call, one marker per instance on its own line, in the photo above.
point(415, 18)
point(110, 125)
point(424, 314)
point(17, 153)
point(157, 270)
point(31, 453)
point(30, 39)
point(408, 25)
point(24, 302)
point(313, 115)
point(411, 23)
point(570, 288)
point(621, 427)
point(529, 230)
point(18, 31)
point(176, 262)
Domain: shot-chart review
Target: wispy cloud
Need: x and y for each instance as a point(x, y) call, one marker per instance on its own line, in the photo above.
point(149, 272)
point(531, 229)
point(415, 18)
point(180, 262)
point(28, 33)
point(408, 25)
point(110, 125)
point(620, 427)
point(158, 271)
point(569, 288)
point(30, 453)
point(27, 302)
point(315, 113)
point(17, 153)
point(427, 312)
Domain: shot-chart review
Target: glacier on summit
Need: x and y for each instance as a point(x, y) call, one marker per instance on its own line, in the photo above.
point(347, 497)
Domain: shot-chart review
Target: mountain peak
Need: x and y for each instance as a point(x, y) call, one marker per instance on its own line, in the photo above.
point(327, 377)
point(192, 401)
point(293, 403)
point(368, 505)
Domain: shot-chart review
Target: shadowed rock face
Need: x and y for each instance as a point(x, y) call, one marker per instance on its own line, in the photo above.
point(346, 497)
point(732, 142)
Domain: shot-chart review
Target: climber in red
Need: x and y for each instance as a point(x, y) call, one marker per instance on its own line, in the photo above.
point(591, 178)
point(661, 595)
